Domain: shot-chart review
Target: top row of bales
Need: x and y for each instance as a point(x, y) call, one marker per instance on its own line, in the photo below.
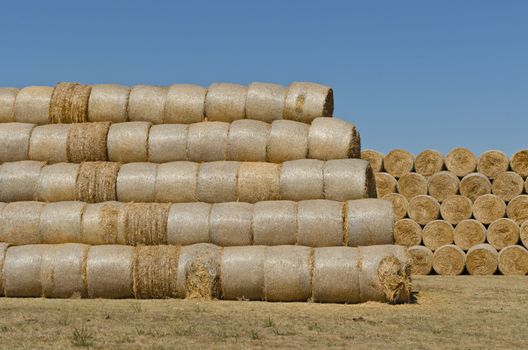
point(175, 104)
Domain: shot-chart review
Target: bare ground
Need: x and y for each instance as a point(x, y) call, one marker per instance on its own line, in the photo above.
point(463, 312)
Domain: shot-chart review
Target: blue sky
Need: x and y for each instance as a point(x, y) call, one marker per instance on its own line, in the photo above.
point(410, 74)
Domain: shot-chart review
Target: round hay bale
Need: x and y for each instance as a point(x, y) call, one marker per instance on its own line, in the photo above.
point(385, 184)
point(185, 104)
point(96, 182)
point(109, 271)
point(375, 159)
point(168, 143)
point(424, 209)
point(230, 224)
point(202, 273)
point(518, 209)
point(502, 233)
point(488, 208)
point(265, 102)
point(100, 224)
point(523, 234)
point(69, 103)
point(461, 161)
point(207, 141)
point(288, 140)
point(49, 143)
point(108, 102)
point(346, 179)
point(19, 180)
point(61, 222)
point(287, 273)
point(449, 260)
point(513, 260)
point(243, 273)
point(274, 223)
point(335, 275)
point(20, 223)
point(331, 138)
point(474, 185)
point(143, 223)
point(22, 270)
point(3, 251)
point(176, 182)
point(469, 233)
point(307, 101)
point(443, 185)
point(407, 232)
point(217, 182)
point(128, 142)
point(455, 209)
point(136, 182)
point(87, 142)
point(147, 103)
point(188, 223)
point(519, 162)
point(400, 205)
point(225, 102)
point(368, 222)
point(481, 259)
point(429, 162)
point(14, 141)
point(384, 274)
point(422, 260)
point(320, 223)
point(247, 140)
point(302, 179)
point(258, 181)
point(154, 271)
point(398, 162)
point(32, 105)
point(7, 106)
point(438, 233)
point(507, 185)
point(412, 184)
point(492, 163)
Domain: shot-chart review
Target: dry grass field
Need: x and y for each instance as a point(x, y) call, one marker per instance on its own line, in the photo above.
point(463, 312)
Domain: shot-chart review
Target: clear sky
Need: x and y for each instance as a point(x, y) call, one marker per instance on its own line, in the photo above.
point(410, 74)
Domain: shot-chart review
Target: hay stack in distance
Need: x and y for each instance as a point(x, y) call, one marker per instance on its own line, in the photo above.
point(492, 163)
point(502, 233)
point(398, 162)
point(437, 233)
point(422, 260)
point(461, 161)
point(443, 185)
point(519, 162)
point(507, 185)
point(488, 208)
point(375, 159)
point(455, 209)
point(429, 162)
point(469, 233)
point(449, 260)
point(424, 209)
point(481, 259)
point(474, 185)
point(513, 260)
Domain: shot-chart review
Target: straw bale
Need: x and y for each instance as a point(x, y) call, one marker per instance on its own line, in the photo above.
point(468, 233)
point(128, 142)
point(185, 104)
point(461, 161)
point(225, 102)
point(424, 209)
point(429, 162)
point(243, 273)
point(331, 138)
point(481, 259)
point(7, 106)
point(443, 185)
point(147, 103)
point(302, 179)
point(288, 273)
point(519, 162)
point(108, 102)
point(502, 233)
point(247, 140)
point(202, 273)
point(136, 182)
point(19, 223)
point(155, 271)
point(100, 224)
point(230, 224)
point(274, 223)
point(79, 104)
point(385, 184)
point(422, 260)
point(49, 143)
point(412, 184)
point(22, 270)
point(109, 271)
point(14, 141)
point(207, 141)
point(143, 223)
point(449, 260)
point(518, 209)
point(346, 179)
point(368, 222)
point(375, 159)
point(320, 223)
point(69, 103)
point(217, 182)
point(398, 162)
point(437, 233)
point(488, 208)
point(167, 143)
point(523, 234)
point(492, 163)
point(32, 105)
point(265, 101)
point(455, 209)
point(513, 260)
point(61, 222)
point(19, 180)
point(407, 232)
point(474, 185)
point(3, 251)
point(258, 181)
point(307, 101)
point(507, 185)
point(188, 223)
point(400, 205)
point(177, 182)
point(87, 142)
point(288, 140)
point(96, 182)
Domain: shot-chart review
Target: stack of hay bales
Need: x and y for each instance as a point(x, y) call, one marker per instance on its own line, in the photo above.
point(458, 213)
point(227, 192)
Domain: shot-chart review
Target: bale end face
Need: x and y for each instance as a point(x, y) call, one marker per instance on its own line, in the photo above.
point(394, 277)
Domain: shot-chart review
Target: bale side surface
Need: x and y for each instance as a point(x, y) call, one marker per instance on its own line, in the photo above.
point(108, 102)
point(502, 233)
point(14, 141)
point(7, 106)
point(100, 224)
point(155, 271)
point(345, 179)
point(247, 140)
point(32, 105)
point(492, 163)
point(385, 184)
point(507, 185)
point(3, 250)
point(407, 232)
point(57, 182)
point(455, 209)
point(136, 182)
point(307, 101)
point(188, 223)
point(185, 104)
point(258, 181)
point(207, 141)
point(202, 272)
point(468, 233)
point(22, 272)
point(243, 273)
point(302, 179)
point(62, 271)
point(61, 222)
point(265, 101)
point(217, 182)
point(368, 222)
point(424, 209)
point(412, 184)
point(400, 205)
point(177, 182)
point(449, 260)
point(287, 140)
point(167, 143)
point(474, 185)
point(429, 162)
point(128, 142)
point(147, 103)
point(481, 259)
point(488, 208)
point(517, 209)
point(87, 142)
point(331, 138)
point(144, 223)
point(225, 102)
point(398, 162)
point(96, 182)
point(443, 185)
point(422, 260)
point(320, 223)
point(523, 234)
point(375, 159)
point(19, 223)
point(49, 143)
point(19, 180)
point(519, 162)
point(438, 233)
point(275, 223)
point(461, 161)
point(109, 271)
point(230, 224)
point(513, 260)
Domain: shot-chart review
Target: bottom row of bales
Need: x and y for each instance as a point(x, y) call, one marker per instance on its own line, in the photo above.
point(279, 273)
